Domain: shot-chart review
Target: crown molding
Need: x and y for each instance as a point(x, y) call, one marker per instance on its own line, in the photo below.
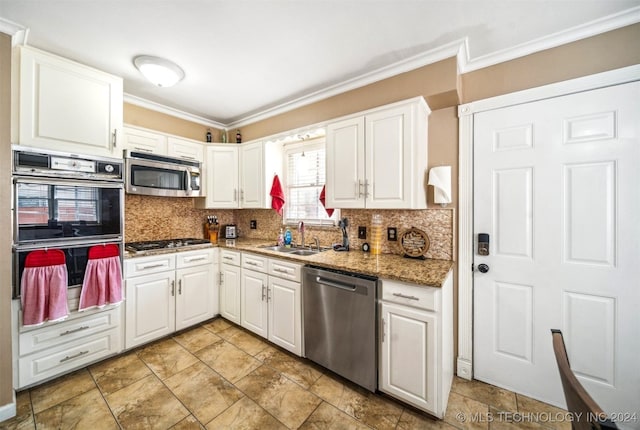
point(459, 49)
point(17, 32)
point(443, 52)
point(148, 104)
point(583, 31)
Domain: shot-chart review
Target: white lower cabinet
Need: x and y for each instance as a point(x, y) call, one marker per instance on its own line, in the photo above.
point(57, 348)
point(168, 293)
point(416, 349)
point(230, 285)
point(271, 301)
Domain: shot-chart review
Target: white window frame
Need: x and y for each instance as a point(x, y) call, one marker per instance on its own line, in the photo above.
point(309, 145)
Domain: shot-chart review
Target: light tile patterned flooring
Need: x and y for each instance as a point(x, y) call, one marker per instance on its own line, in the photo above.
point(219, 376)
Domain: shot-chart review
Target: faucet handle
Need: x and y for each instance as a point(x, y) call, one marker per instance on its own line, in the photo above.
point(301, 226)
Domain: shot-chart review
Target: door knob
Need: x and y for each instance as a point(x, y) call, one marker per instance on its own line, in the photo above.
point(483, 268)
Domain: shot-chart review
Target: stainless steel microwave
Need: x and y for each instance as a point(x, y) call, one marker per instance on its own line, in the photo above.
point(157, 175)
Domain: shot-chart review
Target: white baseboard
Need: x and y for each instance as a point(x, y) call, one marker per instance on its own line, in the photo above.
point(464, 369)
point(9, 410)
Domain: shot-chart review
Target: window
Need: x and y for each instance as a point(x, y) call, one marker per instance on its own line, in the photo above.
point(304, 178)
point(41, 203)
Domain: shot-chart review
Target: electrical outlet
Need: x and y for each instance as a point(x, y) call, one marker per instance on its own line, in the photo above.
point(392, 234)
point(362, 232)
point(253, 224)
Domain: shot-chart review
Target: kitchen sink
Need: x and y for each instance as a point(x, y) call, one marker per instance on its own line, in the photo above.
point(278, 248)
point(294, 251)
point(303, 252)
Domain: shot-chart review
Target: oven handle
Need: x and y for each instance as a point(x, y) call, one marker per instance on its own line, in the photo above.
point(58, 245)
point(67, 182)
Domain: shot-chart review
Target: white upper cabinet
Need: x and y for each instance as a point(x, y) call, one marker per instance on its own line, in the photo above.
point(378, 159)
point(220, 172)
point(136, 139)
point(240, 176)
point(185, 149)
point(252, 192)
point(66, 106)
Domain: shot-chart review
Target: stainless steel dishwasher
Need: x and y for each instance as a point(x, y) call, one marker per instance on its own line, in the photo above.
point(340, 330)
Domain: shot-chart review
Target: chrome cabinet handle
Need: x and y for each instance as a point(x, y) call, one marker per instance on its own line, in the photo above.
point(180, 286)
point(384, 325)
point(115, 137)
point(275, 269)
point(226, 257)
point(263, 293)
point(251, 263)
point(71, 357)
point(221, 278)
point(366, 188)
point(173, 288)
point(151, 266)
point(137, 148)
point(75, 330)
point(406, 297)
point(359, 188)
point(235, 195)
point(242, 194)
point(190, 260)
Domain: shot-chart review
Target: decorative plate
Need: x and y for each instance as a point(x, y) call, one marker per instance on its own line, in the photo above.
point(414, 242)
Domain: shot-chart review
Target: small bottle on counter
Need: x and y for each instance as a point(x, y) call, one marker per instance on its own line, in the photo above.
point(238, 137)
point(223, 136)
point(287, 238)
point(281, 238)
point(208, 135)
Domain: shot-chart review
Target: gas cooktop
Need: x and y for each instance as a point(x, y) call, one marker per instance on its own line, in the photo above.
point(152, 245)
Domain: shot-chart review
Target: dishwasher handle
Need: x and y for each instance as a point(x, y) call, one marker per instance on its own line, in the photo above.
point(335, 284)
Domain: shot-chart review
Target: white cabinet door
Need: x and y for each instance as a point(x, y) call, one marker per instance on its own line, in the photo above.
point(230, 292)
point(150, 307)
point(252, 187)
point(407, 355)
point(254, 302)
point(67, 106)
point(285, 314)
point(194, 296)
point(144, 141)
point(388, 152)
point(185, 149)
point(221, 178)
point(345, 164)
point(215, 301)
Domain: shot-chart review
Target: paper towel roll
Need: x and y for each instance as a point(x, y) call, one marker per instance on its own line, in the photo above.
point(440, 179)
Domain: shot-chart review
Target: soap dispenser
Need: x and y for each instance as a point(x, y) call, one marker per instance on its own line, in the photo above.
point(287, 238)
point(281, 238)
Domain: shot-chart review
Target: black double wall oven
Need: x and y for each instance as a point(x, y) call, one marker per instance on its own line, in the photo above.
point(64, 201)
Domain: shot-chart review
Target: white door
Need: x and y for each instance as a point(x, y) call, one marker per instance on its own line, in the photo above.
point(345, 164)
point(388, 158)
point(556, 187)
point(408, 354)
point(285, 314)
point(251, 167)
point(254, 301)
point(230, 292)
point(194, 302)
point(150, 307)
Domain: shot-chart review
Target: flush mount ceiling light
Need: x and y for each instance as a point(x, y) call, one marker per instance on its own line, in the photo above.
point(160, 72)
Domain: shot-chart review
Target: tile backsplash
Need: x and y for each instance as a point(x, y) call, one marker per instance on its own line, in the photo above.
point(150, 218)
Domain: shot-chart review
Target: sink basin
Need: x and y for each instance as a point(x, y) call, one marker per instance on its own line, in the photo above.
point(278, 248)
point(303, 252)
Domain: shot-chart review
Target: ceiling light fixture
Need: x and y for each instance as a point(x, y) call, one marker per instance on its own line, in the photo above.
point(160, 72)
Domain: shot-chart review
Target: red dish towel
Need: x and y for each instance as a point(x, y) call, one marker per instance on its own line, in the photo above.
point(322, 199)
point(277, 195)
point(43, 287)
point(102, 284)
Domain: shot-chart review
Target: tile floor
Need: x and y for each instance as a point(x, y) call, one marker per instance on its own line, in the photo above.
point(219, 376)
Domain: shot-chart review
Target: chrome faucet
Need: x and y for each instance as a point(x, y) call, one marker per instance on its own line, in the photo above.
point(301, 231)
point(317, 242)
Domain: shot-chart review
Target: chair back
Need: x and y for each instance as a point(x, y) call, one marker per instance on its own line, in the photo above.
point(586, 413)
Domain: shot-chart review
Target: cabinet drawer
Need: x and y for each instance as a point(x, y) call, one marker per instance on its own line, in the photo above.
point(230, 257)
point(254, 262)
point(285, 269)
point(52, 336)
point(411, 295)
point(147, 265)
point(194, 258)
point(51, 362)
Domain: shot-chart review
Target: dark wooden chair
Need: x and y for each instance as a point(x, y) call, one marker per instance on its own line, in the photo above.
point(586, 413)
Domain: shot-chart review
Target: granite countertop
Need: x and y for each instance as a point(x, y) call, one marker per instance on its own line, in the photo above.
point(431, 273)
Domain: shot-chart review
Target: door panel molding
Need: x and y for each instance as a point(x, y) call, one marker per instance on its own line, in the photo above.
point(466, 241)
